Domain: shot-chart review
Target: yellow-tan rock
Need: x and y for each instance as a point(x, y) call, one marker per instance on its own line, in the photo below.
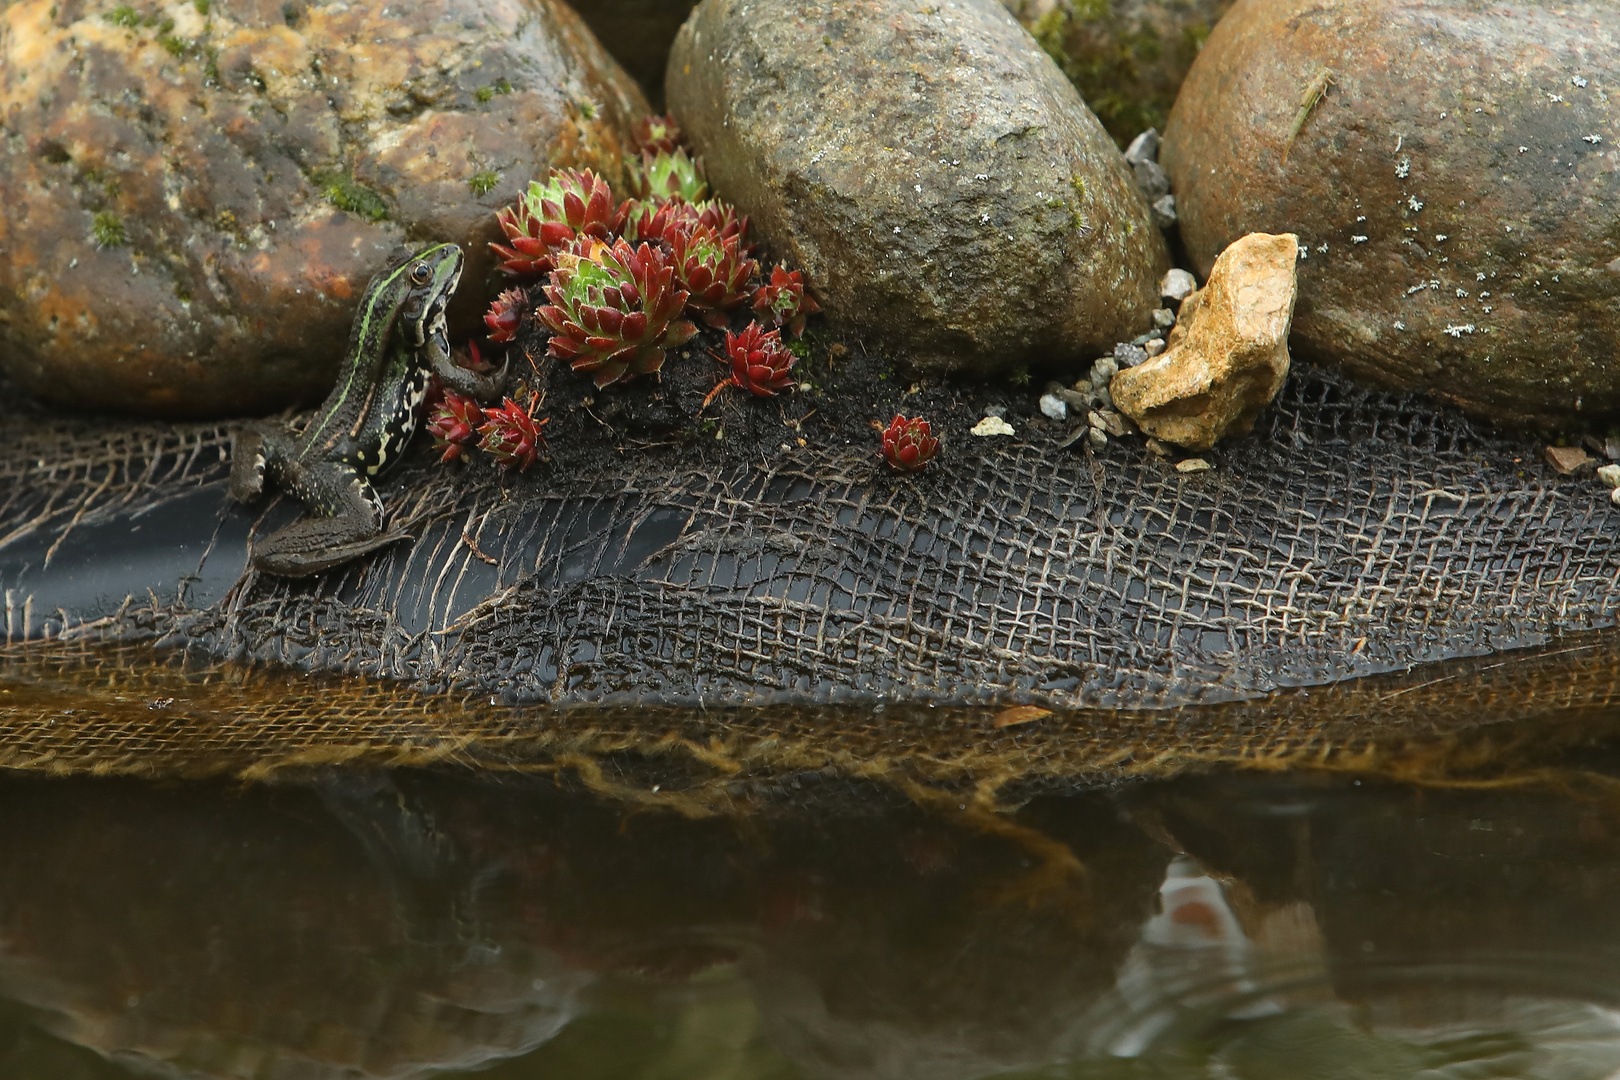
point(1227, 357)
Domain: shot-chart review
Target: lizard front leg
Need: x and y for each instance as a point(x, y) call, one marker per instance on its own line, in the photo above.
point(454, 376)
point(345, 521)
point(257, 448)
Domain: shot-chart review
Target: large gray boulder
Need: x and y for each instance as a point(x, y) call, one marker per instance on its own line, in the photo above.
point(195, 196)
point(948, 192)
point(1450, 168)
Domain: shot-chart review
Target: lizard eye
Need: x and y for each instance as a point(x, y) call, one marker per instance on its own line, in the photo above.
point(421, 274)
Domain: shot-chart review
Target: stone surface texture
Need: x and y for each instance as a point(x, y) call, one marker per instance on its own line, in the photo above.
point(948, 193)
point(1227, 357)
point(1126, 57)
point(194, 201)
point(1455, 187)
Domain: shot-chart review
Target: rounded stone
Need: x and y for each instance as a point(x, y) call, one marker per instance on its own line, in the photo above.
point(197, 194)
point(1451, 170)
point(945, 189)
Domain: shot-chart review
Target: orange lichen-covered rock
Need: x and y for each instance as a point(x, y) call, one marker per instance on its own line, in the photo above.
point(195, 195)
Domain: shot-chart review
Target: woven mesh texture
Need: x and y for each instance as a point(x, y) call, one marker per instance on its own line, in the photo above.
point(69, 708)
point(1354, 533)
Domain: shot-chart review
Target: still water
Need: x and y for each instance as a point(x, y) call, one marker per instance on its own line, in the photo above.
point(1226, 925)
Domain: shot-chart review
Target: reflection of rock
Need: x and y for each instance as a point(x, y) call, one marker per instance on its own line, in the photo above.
point(195, 201)
point(224, 937)
point(946, 189)
point(1227, 356)
point(387, 928)
point(1434, 909)
point(1450, 168)
point(956, 965)
point(381, 930)
point(1194, 958)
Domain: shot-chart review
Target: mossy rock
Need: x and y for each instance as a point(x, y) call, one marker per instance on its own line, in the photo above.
point(1126, 57)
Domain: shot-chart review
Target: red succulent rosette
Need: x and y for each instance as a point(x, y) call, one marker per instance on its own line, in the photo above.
point(657, 135)
point(453, 423)
point(784, 300)
point(909, 443)
point(505, 314)
point(713, 272)
point(472, 359)
point(614, 310)
point(760, 363)
point(660, 222)
point(550, 216)
point(512, 435)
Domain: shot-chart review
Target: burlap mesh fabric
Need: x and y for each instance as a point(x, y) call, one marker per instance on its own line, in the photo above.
point(70, 708)
point(1354, 533)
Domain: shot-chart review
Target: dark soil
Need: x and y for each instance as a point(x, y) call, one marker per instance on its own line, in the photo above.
point(844, 391)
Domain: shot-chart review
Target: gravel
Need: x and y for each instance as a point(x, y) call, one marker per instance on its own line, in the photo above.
point(1177, 285)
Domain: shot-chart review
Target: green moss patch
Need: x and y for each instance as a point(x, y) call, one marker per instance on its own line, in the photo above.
point(346, 193)
point(107, 230)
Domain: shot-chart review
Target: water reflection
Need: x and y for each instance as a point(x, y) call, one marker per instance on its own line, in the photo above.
point(408, 925)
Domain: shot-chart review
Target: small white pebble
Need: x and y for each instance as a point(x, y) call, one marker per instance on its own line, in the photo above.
point(1053, 407)
point(1153, 346)
point(1609, 476)
point(1399, 325)
point(1524, 149)
point(1593, 139)
point(1614, 496)
point(992, 425)
point(1440, 237)
point(1358, 239)
point(1178, 284)
point(1576, 80)
point(1193, 464)
point(1413, 202)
